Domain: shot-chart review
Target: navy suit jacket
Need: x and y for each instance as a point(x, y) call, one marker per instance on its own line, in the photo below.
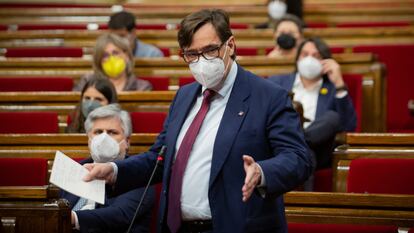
point(117, 212)
point(326, 102)
point(268, 130)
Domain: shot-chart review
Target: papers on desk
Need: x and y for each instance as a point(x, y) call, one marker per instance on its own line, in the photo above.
point(67, 174)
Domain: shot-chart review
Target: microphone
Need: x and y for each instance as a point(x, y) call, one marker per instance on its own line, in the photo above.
point(160, 159)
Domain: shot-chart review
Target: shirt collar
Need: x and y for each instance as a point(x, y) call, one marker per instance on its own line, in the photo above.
point(228, 82)
point(298, 83)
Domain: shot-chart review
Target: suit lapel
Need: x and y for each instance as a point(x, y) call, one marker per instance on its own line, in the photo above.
point(181, 109)
point(234, 114)
point(323, 98)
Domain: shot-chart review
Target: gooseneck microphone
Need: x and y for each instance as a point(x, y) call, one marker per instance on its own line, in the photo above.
point(160, 159)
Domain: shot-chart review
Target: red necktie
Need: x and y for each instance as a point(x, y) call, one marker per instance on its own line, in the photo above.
point(178, 168)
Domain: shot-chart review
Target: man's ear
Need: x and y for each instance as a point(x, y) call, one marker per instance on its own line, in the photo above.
point(232, 45)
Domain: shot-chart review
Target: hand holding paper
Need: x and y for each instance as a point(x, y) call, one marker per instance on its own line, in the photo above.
point(67, 174)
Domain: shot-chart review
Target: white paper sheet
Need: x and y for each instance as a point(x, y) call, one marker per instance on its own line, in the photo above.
point(67, 174)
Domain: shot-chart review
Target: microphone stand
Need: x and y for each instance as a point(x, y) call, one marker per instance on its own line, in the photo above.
point(160, 159)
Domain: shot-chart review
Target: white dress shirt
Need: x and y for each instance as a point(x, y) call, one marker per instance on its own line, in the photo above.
point(194, 194)
point(307, 97)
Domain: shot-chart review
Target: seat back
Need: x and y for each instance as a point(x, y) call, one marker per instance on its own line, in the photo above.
point(23, 171)
point(185, 80)
point(339, 228)
point(36, 84)
point(44, 52)
point(377, 175)
point(29, 122)
point(147, 122)
point(158, 83)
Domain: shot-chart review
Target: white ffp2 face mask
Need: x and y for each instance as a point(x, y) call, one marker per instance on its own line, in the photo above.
point(209, 73)
point(309, 68)
point(105, 149)
point(277, 9)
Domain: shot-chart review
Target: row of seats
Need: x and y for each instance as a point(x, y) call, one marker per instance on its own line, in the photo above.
point(48, 122)
point(366, 175)
point(78, 52)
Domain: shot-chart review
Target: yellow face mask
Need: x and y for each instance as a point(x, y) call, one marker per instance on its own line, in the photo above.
point(114, 66)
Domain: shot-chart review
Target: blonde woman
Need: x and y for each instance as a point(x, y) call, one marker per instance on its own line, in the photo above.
point(113, 59)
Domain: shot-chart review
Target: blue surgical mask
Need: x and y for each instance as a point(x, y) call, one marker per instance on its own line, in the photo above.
point(88, 106)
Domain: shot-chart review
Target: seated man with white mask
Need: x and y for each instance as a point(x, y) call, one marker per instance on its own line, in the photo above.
point(318, 84)
point(109, 129)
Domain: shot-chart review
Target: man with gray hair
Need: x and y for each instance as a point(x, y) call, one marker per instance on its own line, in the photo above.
point(109, 129)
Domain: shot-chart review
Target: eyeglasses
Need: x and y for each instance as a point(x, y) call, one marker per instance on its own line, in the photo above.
point(210, 52)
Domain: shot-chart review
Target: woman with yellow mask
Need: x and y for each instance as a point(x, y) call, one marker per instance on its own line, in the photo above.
point(113, 59)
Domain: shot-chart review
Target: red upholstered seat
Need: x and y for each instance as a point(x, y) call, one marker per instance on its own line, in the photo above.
point(158, 83)
point(185, 80)
point(29, 122)
point(36, 84)
point(354, 83)
point(239, 26)
point(52, 27)
point(246, 51)
point(339, 228)
point(316, 25)
point(390, 176)
point(3, 27)
point(411, 230)
point(323, 180)
point(400, 82)
point(165, 51)
point(23, 171)
point(337, 49)
point(147, 122)
point(373, 24)
point(44, 52)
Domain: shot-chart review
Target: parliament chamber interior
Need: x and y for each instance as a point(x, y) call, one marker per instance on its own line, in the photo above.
point(47, 47)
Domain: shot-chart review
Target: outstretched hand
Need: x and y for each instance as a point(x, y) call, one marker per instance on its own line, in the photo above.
point(100, 171)
point(253, 176)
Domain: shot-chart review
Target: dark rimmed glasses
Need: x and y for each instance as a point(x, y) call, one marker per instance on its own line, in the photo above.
point(209, 52)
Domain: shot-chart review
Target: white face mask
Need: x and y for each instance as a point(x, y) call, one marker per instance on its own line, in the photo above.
point(277, 9)
point(209, 73)
point(105, 149)
point(309, 68)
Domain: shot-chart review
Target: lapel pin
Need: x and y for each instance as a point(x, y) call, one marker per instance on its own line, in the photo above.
point(241, 113)
point(324, 91)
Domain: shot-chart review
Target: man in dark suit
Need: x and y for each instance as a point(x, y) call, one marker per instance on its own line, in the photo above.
point(109, 129)
point(234, 143)
point(319, 86)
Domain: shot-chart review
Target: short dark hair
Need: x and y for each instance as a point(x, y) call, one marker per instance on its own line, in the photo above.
point(291, 18)
point(122, 20)
point(191, 23)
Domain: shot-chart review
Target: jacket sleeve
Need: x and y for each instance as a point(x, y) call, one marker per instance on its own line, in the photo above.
point(117, 216)
point(346, 111)
point(291, 162)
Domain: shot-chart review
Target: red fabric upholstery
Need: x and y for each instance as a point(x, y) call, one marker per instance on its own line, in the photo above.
point(3, 27)
point(400, 82)
point(390, 176)
point(158, 83)
point(53, 5)
point(316, 25)
point(147, 122)
point(23, 171)
point(354, 83)
point(52, 27)
point(185, 80)
point(154, 218)
point(165, 51)
point(323, 180)
point(339, 228)
point(246, 51)
point(44, 52)
point(36, 84)
point(239, 26)
point(29, 122)
point(411, 230)
point(337, 49)
point(372, 24)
